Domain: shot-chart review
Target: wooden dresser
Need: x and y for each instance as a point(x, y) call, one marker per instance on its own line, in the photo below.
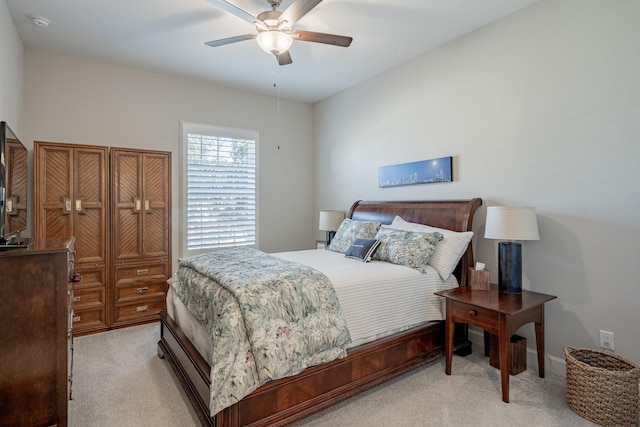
point(36, 309)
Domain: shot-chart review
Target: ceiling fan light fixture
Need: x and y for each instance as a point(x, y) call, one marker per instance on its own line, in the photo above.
point(274, 41)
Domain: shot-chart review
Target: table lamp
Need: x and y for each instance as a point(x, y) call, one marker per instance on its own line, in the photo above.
point(511, 223)
point(330, 221)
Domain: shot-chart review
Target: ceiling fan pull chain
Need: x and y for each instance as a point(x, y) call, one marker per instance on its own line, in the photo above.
point(277, 86)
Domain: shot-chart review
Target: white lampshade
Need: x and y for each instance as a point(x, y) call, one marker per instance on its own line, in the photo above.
point(330, 220)
point(511, 223)
point(274, 41)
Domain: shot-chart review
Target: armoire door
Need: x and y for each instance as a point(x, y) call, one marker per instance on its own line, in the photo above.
point(16, 183)
point(141, 201)
point(71, 183)
point(157, 204)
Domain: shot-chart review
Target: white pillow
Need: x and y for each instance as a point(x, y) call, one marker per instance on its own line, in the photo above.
point(448, 251)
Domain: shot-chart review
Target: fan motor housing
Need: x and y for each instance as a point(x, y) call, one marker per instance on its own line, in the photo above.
point(270, 18)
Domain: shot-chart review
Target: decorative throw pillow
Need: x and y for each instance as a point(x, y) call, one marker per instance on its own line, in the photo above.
point(448, 251)
point(362, 249)
point(406, 248)
point(351, 230)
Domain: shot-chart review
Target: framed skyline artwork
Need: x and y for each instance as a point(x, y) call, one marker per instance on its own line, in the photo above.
point(422, 172)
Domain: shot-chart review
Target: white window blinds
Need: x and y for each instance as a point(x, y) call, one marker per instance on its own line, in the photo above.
point(221, 190)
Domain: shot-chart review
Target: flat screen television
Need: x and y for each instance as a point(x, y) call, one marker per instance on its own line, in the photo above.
point(13, 189)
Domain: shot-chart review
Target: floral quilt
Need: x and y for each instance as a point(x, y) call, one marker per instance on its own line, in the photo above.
point(268, 318)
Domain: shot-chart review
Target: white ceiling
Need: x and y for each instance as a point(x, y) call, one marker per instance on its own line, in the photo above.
point(168, 36)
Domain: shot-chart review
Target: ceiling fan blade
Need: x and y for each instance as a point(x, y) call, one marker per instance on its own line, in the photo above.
point(229, 40)
point(297, 10)
point(284, 58)
point(332, 39)
point(222, 4)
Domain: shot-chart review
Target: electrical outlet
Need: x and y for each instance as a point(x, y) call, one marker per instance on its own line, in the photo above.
point(606, 340)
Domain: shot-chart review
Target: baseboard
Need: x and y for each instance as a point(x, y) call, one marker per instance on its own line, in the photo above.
point(556, 365)
point(553, 365)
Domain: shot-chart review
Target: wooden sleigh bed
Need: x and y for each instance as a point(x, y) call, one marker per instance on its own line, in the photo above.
point(290, 399)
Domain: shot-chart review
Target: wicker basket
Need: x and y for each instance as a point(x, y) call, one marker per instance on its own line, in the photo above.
point(602, 386)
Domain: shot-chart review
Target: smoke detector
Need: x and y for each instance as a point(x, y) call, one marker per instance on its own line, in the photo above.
point(40, 21)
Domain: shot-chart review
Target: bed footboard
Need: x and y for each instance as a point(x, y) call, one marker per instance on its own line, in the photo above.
point(290, 399)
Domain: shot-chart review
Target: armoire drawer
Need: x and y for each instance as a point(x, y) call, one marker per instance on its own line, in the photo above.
point(88, 298)
point(139, 310)
point(89, 319)
point(143, 289)
point(126, 274)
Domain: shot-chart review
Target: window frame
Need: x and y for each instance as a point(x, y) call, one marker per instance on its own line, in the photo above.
point(218, 131)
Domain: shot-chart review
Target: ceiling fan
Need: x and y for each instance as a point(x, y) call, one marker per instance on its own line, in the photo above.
point(275, 28)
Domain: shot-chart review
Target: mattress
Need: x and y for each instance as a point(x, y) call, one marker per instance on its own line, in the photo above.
point(377, 298)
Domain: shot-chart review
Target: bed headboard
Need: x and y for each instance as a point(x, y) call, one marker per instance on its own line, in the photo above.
point(456, 215)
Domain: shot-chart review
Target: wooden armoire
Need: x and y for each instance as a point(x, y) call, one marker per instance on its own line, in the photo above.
point(140, 224)
point(71, 199)
point(117, 203)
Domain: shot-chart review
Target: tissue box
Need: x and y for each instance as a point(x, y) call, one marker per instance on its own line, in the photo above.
point(479, 279)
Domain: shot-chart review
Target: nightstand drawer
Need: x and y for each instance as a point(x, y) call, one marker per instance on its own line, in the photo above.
point(477, 316)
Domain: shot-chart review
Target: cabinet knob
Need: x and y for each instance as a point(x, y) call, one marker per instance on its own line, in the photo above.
point(472, 313)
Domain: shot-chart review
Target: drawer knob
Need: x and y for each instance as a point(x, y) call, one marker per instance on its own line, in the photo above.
point(142, 290)
point(472, 313)
point(76, 299)
point(142, 308)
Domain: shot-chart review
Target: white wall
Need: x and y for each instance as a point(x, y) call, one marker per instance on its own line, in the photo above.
point(542, 109)
point(538, 109)
point(11, 68)
point(75, 100)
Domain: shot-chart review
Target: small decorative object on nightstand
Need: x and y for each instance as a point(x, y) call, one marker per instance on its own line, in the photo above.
point(510, 223)
point(330, 221)
point(321, 244)
point(479, 278)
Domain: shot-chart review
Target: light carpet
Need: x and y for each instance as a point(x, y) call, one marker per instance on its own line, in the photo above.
point(120, 381)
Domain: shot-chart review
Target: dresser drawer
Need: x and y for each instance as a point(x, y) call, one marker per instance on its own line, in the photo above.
point(473, 315)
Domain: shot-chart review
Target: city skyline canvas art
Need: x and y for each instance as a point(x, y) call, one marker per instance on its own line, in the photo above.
point(421, 172)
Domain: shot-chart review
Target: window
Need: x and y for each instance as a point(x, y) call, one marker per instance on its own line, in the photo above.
point(219, 185)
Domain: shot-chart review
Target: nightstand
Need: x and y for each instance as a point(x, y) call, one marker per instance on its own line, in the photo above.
point(499, 313)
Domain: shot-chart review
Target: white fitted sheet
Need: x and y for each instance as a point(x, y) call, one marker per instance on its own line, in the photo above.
point(377, 298)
